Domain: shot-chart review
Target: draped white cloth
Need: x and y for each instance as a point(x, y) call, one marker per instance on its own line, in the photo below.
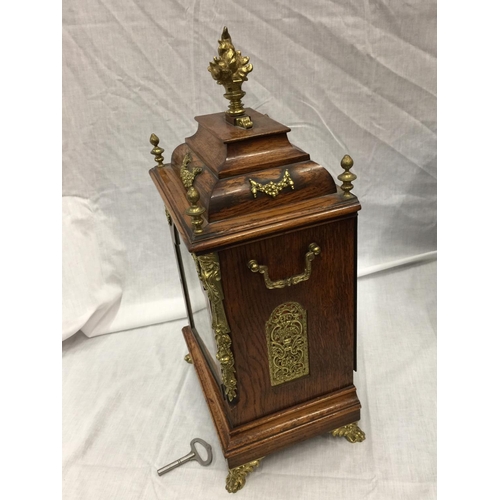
point(350, 77)
point(347, 76)
point(132, 405)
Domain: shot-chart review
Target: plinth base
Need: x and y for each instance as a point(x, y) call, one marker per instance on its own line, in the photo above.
point(252, 441)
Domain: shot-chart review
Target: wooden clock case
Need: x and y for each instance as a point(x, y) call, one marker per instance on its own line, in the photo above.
point(235, 196)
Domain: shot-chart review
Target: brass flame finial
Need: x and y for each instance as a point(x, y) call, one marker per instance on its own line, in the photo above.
point(230, 69)
point(347, 177)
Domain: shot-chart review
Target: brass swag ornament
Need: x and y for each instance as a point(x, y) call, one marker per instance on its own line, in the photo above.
point(272, 188)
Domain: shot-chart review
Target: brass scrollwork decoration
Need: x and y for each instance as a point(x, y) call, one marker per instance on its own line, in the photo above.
point(208, 268)
point(272, 188)
point(314, 250)
point(187, 177)
point(351, 432)
point(287, 343)
point(236, 478)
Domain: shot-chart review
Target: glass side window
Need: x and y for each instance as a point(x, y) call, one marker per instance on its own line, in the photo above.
point(197, 303)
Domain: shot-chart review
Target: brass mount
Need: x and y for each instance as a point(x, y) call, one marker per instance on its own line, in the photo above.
point(187, 177)
point(351, 432)
point(237, 477)
point(208, 268)
point(272, 188)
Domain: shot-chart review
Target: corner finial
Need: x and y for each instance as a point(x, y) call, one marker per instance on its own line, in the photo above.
point(347, 177)
point(230, 69)
point(157, 151)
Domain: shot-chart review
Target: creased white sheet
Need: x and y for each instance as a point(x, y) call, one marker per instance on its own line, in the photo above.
point(348, 76)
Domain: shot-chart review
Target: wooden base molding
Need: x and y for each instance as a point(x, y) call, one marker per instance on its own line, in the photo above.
point(250, 442)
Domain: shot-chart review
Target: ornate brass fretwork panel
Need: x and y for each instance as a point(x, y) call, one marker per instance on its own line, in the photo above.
point(288, 350)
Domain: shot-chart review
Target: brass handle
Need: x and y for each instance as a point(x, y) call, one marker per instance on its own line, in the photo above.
point(293, 280)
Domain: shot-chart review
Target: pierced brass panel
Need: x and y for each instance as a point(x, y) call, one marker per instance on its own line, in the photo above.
point(287, 344)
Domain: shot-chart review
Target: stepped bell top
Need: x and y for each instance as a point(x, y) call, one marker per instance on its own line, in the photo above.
point(239, 175)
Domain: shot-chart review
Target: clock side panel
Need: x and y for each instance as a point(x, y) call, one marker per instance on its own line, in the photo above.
point(197, 304)
point(324, 305)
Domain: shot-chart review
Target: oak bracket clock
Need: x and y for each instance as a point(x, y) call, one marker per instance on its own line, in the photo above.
point(266, 246)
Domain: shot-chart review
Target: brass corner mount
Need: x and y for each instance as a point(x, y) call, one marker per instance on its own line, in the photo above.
point(193, 195)
point(230, 69)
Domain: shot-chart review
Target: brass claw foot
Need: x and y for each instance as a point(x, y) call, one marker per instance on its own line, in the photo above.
point(236, 478)
point(351, 432)
point(188, 359)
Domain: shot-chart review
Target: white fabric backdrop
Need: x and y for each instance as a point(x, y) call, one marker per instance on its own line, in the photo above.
point(353, 77)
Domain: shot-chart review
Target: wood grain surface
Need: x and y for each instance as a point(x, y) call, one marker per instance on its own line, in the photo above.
point(229, 157)
point(276, 232)
point(328, 297)
point(263, 436)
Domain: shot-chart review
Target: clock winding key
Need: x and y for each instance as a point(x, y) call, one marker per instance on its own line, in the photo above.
point(193, 455)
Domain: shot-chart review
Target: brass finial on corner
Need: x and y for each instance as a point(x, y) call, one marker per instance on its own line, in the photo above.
point(230, 69)
point(347, 177)
point(157, 151)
